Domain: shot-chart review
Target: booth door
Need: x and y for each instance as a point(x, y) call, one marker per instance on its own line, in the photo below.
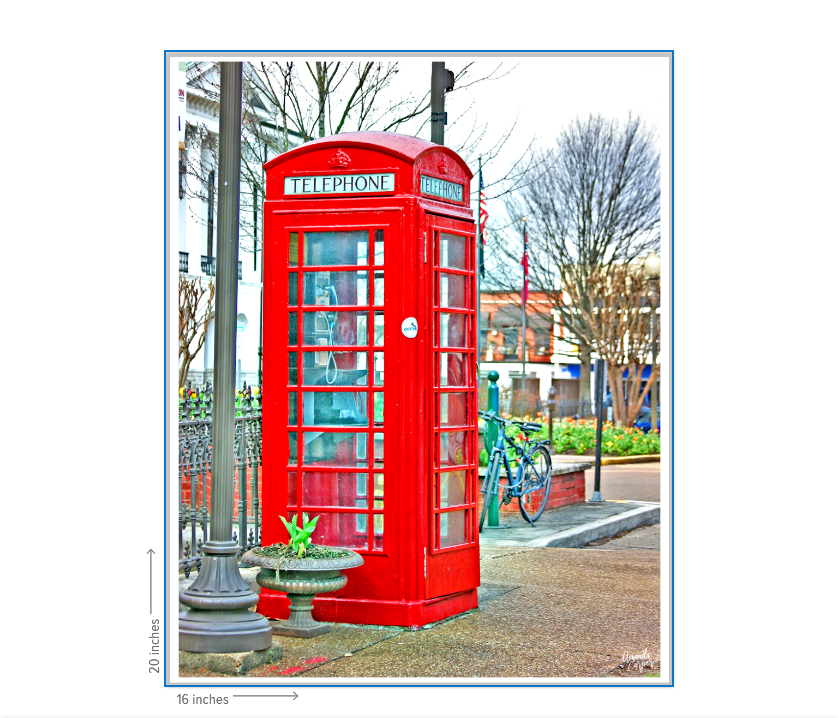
point(452, 468)
point(339, 461)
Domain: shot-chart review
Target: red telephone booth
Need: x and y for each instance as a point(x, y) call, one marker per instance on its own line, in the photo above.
point(370, 265)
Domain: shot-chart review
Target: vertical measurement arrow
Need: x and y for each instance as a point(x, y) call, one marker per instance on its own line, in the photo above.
point(151, 553)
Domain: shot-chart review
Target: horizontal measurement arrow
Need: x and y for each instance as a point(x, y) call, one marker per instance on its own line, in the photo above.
point(293, 696)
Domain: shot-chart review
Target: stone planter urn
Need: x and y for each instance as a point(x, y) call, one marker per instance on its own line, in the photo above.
point(302, 579)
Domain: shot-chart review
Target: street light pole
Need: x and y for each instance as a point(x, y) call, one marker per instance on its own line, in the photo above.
point(524, 299)
point(443, 81)
point(217, 619)
point(599, 410)
point(652, 270)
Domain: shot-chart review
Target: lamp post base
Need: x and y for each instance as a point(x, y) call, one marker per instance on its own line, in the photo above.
point(217, 619)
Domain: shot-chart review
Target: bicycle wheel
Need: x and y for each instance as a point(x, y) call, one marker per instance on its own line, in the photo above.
point(536, 485)
point(488, 489)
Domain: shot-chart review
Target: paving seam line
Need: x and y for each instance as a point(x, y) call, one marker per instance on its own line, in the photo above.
point(336, 658)
point(502, 555)
point(603, 528)
point(499, 595)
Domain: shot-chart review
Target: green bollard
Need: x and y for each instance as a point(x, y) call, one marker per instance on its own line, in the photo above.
point(493, 405)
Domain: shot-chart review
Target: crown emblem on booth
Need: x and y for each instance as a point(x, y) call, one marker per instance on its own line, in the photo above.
point(442, 165)
point(339, 159)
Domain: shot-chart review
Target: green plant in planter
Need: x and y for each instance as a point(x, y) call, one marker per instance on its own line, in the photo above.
point(301, 569)
point(299, 538)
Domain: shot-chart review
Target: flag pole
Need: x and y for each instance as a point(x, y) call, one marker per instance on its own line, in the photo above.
point(479, 253)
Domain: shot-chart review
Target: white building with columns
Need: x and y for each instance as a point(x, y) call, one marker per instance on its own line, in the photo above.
point(198, 221)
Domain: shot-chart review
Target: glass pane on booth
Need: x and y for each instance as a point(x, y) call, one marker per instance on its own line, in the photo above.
point(335, 248)
point(293, 374)
point(334, 448)
point(379, 288)
point(453, 369)
point(453, 449)
point(334, 328)
point(334, 489)
point(453, 409)
point(335, 408)
point(293, 328)
point(453, 251)
point(453, 330)
point(292, 495)
point(379, 329)
point(453, 488)
point(328, 368)
point(293, 249)
point(341, 529)
point(293, 407)
point(325, 288)
point(453, 290)
point(293, 289)
point(378, 368)
point(292, 447)
point(379, 243)
point(453, 528)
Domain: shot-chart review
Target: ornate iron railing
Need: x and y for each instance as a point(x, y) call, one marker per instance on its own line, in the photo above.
point(195, 450)
point(183, 261)
point(208, 266)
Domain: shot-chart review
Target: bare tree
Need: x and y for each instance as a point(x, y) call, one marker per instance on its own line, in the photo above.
point(285, 104)
point(616, 308)
point(194, 314)
point(592, 201)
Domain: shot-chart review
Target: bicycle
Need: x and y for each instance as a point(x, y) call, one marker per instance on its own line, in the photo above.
point(532, 482)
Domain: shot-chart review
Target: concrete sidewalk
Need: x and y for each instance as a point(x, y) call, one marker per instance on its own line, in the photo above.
point(570, 526)
point(544, 612)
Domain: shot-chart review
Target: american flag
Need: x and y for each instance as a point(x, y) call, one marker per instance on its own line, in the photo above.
point(482, 220)
point(482, 209)
point(524, 263)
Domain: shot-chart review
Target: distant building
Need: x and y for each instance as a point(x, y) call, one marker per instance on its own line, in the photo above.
point(551, 358)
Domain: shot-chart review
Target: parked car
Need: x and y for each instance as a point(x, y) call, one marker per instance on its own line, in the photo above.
point(643, 419)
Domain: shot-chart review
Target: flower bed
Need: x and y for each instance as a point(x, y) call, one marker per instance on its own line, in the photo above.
point(578, 437)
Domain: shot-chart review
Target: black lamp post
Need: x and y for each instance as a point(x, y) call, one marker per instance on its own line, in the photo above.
point(217, 619)
point(652, 269)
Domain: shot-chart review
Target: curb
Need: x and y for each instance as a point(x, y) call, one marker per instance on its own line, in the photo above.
point(607, 460)
point(603, 528)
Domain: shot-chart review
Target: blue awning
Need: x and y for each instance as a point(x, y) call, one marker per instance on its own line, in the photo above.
point(573, 371)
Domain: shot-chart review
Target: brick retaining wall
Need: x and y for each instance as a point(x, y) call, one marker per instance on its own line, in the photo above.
point(568, 486)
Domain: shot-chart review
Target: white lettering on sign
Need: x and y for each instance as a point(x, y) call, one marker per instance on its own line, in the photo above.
point(442, 188)
point(340, 184)
point(409, 327)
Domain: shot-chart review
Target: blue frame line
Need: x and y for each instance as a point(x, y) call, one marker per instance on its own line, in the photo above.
point(167, 400)
point(166, 300)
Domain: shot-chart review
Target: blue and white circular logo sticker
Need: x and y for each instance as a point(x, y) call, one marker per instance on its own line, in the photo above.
point(409, 327)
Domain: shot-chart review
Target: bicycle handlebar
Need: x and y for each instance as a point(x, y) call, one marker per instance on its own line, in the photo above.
point(527, 425)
